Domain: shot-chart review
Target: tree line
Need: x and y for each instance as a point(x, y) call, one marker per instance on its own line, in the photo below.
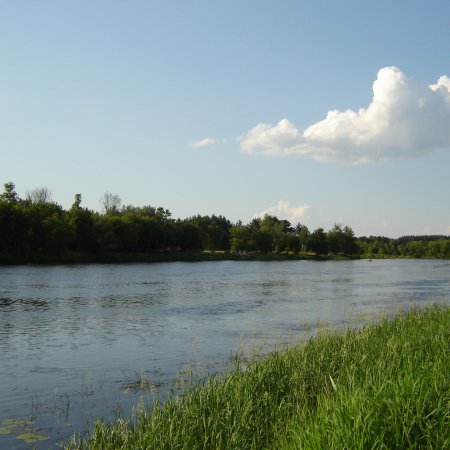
point(34, 226)
point(431, 246)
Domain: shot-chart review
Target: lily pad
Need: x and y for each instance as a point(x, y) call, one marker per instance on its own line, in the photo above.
point(16, 423)
point(24, 430)
point(12, 426)
point(32, 438)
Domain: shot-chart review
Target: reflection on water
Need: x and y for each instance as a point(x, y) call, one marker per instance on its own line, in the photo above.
point(78, 342)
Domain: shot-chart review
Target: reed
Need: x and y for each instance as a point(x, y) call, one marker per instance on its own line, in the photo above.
point(385, 386)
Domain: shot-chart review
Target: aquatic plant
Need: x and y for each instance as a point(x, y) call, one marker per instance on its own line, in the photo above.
point(141, 383)
point(23, 429)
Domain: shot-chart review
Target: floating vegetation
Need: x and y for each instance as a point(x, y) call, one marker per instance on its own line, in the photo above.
point(11, 425)
point(23, 429)
point(32, 438)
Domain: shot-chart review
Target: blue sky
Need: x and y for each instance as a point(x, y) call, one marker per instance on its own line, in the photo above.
point(223, 107)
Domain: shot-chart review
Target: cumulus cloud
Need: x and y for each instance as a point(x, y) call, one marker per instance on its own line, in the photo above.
point(284, 210)
point(405, 118)
point(203, 143)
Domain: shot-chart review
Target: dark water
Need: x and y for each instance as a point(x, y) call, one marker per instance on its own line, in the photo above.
point(79, 342)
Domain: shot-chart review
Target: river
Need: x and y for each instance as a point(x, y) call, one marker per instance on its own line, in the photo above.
point(79, 342)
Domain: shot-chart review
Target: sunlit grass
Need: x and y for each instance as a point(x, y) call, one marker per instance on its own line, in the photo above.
point(385, 386)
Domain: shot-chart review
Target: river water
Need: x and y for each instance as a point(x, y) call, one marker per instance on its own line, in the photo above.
point(79, 342)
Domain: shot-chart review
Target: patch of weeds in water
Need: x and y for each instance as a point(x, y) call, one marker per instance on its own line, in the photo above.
point(23, 429)
point(141, 384)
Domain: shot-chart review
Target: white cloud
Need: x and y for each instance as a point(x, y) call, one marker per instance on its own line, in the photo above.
point(406, 118)
point(203, 143)
point(284, 210)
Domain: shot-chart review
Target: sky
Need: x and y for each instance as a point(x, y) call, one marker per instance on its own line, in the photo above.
point(319, 112)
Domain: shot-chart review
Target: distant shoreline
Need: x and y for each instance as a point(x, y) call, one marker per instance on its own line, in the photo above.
point(159, 257)
point(117, 258)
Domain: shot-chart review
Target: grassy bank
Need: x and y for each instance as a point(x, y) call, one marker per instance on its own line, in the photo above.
point(386, 386)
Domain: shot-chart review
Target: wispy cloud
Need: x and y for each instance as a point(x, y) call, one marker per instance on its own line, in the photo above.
point(203, 143)
point(406, 118)
point(284, 210)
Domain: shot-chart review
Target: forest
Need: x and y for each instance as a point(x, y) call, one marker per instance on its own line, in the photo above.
point(37, 229)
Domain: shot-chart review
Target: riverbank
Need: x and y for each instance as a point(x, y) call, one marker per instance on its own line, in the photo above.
point(117, 258)
point(385, 386)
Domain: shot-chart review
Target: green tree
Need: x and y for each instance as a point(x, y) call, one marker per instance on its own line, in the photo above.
point(280, 231)
point(48, 227)
point(188, 236)
point(303, 236)
point(83, 223)
point(154, 235)
point(349, 246)
point(14, 228)
point(292, 243)
point(242, 239)
point(9, 193)
point(262, 240)
point(318, 242)
point(341, 240)
point(214, 230)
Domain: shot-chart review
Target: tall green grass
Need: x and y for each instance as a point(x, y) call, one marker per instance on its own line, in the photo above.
point(386, 386)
